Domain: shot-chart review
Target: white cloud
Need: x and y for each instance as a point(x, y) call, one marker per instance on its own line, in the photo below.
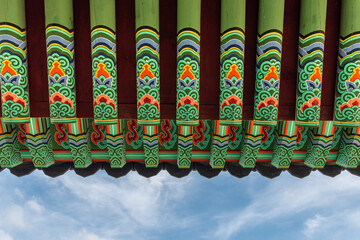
point(35, 206)
point(288, 196)
point(85, 235)
point(5, 236)
point(314, 224)
point(94, 208)
point(13, 217)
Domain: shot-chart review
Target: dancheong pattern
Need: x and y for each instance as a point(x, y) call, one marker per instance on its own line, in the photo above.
point(188, 77)
point(347, 99)
point(84, 142)
point(148, 76)
point(267, 78)
point(103, 45)
point(61, 73)
point(231, 76)
point(311, 54)
point(13, 74)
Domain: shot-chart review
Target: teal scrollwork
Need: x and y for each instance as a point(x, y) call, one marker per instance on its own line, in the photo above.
point(268, 78)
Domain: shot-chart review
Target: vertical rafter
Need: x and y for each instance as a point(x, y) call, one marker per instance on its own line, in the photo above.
point(286, 135)
point(349, 149)
point(319, 144)
point(311, 54)
point(10, 155)
point(39, 142)
point(232, 61)
point(13, 62)
point(188, 76)
point(103, 51)
point(78, 133)
point(115, 144)
point(347, 97)
point(148, 76)
point(60, 60)
point(269, 45)
point(251, 144)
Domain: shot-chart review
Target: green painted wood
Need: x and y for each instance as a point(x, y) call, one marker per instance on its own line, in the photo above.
point(312, 16)
point(102, 13)
point(59, 12)
point(13, 62)
point(271, 15)
point(10, 155)
point(311, 54)
point(219, 146)
point(188, 14)
point(319, 144)
point(232, 14)
point(103, 51)
point(13, 11)
point(350, 19)
point(270, 27)
point(232, 46)
point(147, 13)
point(347, 98)
point(148, 76)
point(349, 149)
point(283, 150)
point(60, 60)
point(188, 76)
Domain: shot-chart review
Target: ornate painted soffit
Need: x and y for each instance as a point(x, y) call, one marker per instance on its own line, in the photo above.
point(84, 143)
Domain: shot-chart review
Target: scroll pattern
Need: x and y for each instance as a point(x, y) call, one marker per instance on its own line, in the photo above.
point(231, 76)
point(13, 74)
point(267, 78)
point(347, 99)
point(148, 76)
point(61, 73)
point(311, 54)
point(103, 45)
point(188, 77)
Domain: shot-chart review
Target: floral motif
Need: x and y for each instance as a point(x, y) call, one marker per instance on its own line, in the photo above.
point(349, 104)
point(61, 98)
point(9, 96)
point(315, 101)
point(268, 101)
point(102, 98)
point(187, 100)
point(233, 99)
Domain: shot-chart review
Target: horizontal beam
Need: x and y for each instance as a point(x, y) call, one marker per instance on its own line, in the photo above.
point(171, 156)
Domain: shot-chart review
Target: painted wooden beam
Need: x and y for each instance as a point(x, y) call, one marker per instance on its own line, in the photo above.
point(185, 145)
point(78, 133)
point(349, 149)
point(39, 142)
point(103, 52)
point(148, 76)
point(311, 54)
point(250, 146)
point(60, 60)
point(10, 155)
point(268, 66)
point(347, 97)
point(115, 144)
point(232, 61)
point(286, 135)
point(188, 75)
point(13, 62)
point(219, 146)
point(319, 145)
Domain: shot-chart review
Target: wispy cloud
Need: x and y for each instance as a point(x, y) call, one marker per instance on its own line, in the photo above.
point(287, 196)
point(93, 208)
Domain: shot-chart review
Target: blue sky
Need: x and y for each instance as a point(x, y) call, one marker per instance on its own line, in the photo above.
point(163, 207)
